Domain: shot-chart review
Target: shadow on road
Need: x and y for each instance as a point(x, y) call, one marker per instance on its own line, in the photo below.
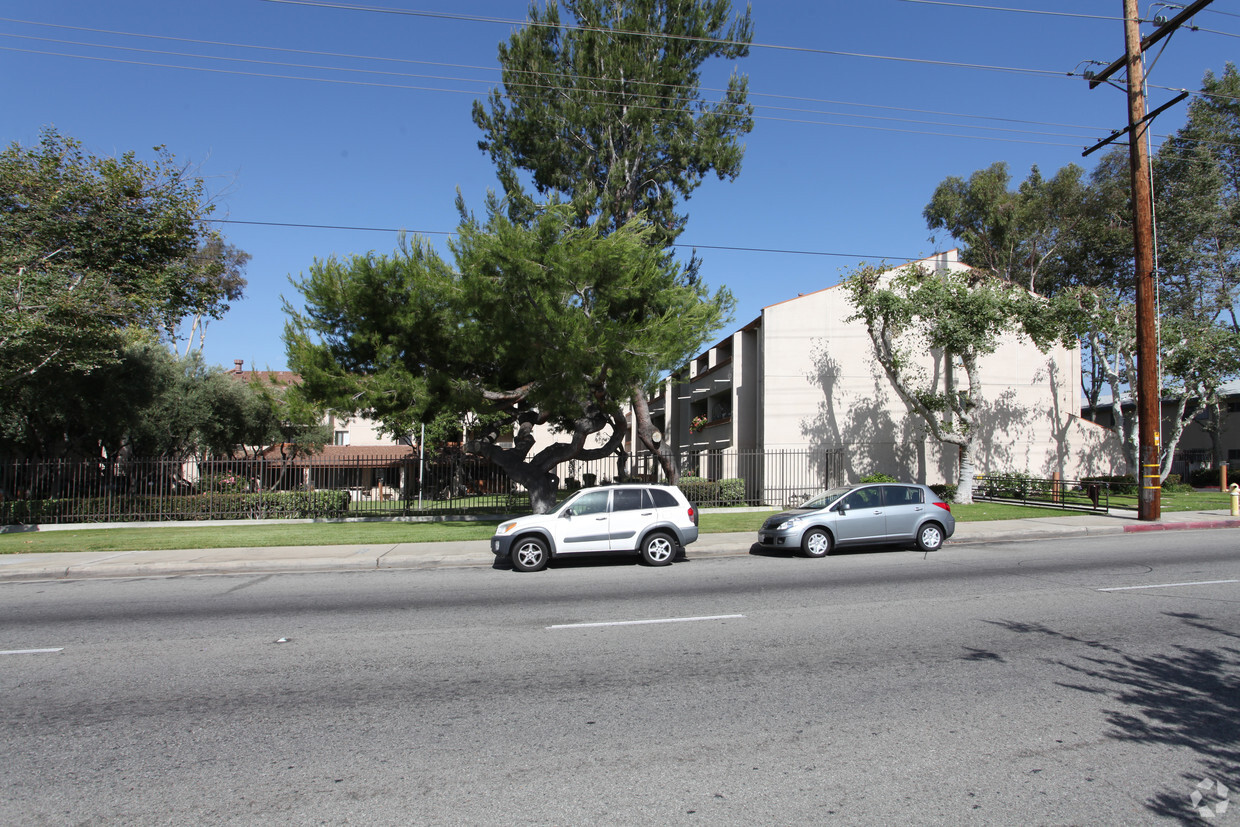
point(1185, 697)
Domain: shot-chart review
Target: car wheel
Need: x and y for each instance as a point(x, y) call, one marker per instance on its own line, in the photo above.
point(658, 549)
point(530, 554)
point(816, 543)
point(930, 537)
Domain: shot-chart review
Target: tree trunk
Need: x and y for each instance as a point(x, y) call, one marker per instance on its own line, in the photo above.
point(964, 487)
point(661, 450)
point(536, 474)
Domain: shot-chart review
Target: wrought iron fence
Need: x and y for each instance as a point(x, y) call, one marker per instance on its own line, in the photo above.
point(125, 490)
point(1069, 495)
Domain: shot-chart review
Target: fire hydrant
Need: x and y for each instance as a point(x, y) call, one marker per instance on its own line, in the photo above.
point(1234, 490)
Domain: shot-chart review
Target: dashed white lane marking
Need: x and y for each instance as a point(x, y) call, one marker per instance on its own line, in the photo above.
point(1165, 585)
point(32, 651)
point(644, 622)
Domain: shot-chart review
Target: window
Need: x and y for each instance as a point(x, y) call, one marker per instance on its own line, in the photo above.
point(627, 499)
point(902, 495)
point(864, 498)
point(662, 499)
point(340, 438)
point(593, 503)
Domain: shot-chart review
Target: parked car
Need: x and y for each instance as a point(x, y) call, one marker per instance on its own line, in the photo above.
point(855, 515)
point(655, 521)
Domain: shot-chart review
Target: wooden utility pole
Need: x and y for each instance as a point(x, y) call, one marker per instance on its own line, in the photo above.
point(1149, 399)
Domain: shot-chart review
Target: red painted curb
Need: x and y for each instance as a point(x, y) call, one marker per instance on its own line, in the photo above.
point(1183, 526)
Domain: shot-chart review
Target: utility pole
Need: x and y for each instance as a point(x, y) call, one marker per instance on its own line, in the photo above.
point(1149, 399)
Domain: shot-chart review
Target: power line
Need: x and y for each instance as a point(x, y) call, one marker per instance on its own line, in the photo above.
point(411, 87)
point(529, 85)
point(729, 248)
point(1022, 11)
point(519, 85)
point(661, 36)
point(491, 69)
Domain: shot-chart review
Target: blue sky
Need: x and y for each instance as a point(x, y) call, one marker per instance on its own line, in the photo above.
point(860, 115)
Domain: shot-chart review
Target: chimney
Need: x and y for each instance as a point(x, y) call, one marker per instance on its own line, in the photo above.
point(238, 363)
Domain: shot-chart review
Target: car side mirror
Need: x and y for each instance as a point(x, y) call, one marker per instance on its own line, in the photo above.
point(566, 513)
point(842, 508)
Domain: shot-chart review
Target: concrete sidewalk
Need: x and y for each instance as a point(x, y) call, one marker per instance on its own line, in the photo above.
point(475, 553)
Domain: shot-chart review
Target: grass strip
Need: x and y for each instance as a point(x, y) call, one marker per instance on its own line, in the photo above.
point(157, 538)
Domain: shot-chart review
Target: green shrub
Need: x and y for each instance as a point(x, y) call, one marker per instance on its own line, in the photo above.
point(232, 483)
point(699, 491)
point(1173, 484)
point(1205, 478)
point(947, 492)
point(732, 491)
point(879, 478)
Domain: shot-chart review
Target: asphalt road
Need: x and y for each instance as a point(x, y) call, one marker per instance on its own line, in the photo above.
point(1092, 681)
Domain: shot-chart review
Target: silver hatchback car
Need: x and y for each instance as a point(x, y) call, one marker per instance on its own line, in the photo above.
point(868, 514)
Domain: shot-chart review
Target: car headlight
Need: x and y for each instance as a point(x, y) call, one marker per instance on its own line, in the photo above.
point(504, 528)
point(787, 525)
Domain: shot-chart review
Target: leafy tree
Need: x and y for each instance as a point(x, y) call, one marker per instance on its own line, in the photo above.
point(1038, 235)
point(542, 321)
point(604, 108)
point(960, 315)
point(90, 246)
point(172, 407)
point(1079, 245)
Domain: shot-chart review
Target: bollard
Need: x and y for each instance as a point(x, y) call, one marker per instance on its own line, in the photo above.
point(1235, 500)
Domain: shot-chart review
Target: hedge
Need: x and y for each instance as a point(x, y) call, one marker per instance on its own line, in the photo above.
point(144, 507)
point(709, 492)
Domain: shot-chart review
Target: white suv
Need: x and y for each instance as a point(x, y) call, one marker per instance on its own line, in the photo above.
point(655, 521)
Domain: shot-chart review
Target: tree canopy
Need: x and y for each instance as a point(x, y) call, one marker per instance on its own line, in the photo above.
point(542, 320)
point(603, 107)
point(1072, 238)
point(91, 246)
point(149, 402)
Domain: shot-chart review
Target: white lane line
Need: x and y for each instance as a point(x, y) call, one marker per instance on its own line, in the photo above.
point(1166, 585)
point(643, 622)
point(32, 651)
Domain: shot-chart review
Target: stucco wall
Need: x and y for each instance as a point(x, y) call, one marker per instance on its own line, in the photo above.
point(823, 388)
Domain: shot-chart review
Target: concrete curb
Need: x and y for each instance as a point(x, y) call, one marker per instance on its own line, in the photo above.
point(1185, 526)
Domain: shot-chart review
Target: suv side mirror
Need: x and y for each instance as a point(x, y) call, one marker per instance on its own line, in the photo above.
point(566, 513)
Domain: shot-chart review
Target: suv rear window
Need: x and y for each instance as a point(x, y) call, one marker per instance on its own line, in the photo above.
point(662, 499)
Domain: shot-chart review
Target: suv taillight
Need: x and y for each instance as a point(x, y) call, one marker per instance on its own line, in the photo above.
point(693, 515)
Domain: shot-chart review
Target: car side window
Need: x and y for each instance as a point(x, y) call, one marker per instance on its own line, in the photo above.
point(593, 503)
point(864, 498)
point(902, 495)
point(626, 499)
point(662, 499)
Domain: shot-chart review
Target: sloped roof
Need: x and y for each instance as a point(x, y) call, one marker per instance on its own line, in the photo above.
point(354, 456)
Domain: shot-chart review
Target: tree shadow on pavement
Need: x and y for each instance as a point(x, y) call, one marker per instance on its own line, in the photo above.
point(1186, 697)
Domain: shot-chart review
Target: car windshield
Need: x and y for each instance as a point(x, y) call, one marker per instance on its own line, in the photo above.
point(827, 497)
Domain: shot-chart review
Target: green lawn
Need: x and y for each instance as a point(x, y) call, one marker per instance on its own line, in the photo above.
point(380, 533)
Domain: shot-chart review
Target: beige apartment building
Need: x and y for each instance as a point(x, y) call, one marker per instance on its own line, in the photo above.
point(803, 378)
